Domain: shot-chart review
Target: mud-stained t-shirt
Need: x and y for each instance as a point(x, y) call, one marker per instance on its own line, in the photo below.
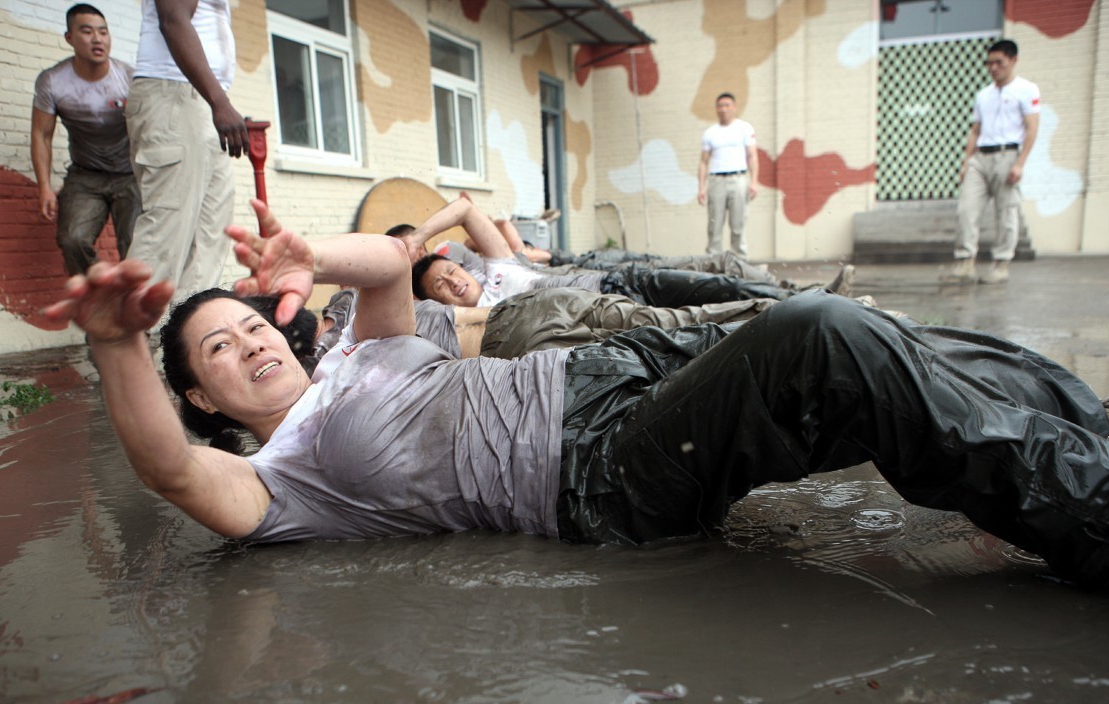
point(92, 112)
point(401, 439)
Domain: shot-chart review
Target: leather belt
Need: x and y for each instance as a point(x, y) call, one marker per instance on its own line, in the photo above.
point(729, 173)
point(993, 148)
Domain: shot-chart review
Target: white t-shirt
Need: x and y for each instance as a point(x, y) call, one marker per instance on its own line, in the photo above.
point(727, 145)
point(1000, 112)
point(212, 22)
point(506, 277)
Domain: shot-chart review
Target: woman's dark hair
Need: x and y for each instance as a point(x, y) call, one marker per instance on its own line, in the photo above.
point(224, 433)
point(419, 270)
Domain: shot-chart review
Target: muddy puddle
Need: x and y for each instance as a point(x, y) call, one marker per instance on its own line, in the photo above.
point(830, 590)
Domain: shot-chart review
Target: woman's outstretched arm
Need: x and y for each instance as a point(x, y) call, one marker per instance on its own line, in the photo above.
point(284, 264)
point(115, 305)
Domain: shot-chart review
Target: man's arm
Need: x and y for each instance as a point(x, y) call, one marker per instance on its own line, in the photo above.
point(971, 148)
point(490, 243)
point(752, 171)
point(175, 23)
point(42, 157)
point(1031, 129)
point(702, 176)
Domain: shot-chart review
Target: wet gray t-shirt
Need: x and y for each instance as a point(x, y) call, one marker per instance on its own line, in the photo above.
point(91, 112)
point(401, 439)
point(435, 323)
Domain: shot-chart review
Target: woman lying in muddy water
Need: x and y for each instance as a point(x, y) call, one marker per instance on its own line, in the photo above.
point(648, 435)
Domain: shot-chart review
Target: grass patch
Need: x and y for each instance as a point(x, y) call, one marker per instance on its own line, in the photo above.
point(24, 397)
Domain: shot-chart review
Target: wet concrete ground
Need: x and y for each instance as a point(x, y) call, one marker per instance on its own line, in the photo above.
point(829, 590)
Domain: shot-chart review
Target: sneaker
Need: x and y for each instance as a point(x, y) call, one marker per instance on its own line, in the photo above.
point(845, 279)
point(998, 274)
point(963, 272)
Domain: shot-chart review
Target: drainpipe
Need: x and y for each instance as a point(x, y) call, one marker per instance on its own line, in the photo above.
point(639, 145)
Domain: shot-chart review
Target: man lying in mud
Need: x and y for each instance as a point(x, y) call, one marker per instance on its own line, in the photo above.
point(548, 318)
point(505, 276)
point(645, 436)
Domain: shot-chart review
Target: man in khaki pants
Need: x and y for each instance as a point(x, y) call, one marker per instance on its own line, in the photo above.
point(1006, 119)
point(728, 175)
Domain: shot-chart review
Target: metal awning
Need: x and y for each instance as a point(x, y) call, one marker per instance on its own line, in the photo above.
point(583, 21)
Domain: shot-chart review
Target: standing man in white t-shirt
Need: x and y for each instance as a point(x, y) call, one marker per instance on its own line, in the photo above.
point(1006, 119)
point(183, 128)
point(87, 92)
point(728, 175)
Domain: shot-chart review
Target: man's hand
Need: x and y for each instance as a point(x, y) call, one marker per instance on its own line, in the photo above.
point(280, 261)
point(112, 301)
point(48, 204)
point(233, 136)
point(963, 170)
point(752, 191)
point(1015, 175)
point(416, 251)
point(701, 197)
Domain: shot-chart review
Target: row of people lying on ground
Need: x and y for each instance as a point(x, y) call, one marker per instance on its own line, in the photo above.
point(563, 309)
point(462, 278)
point(647, 435)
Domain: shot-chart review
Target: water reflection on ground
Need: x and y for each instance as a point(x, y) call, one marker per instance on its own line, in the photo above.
point(829, 589)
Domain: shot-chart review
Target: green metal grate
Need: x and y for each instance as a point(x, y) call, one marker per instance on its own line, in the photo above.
point(925, 101)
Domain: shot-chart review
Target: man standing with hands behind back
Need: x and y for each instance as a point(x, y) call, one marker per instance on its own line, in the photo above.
point(183, 127)
point(87, 91)
point(728, 175)
point(1006, 119)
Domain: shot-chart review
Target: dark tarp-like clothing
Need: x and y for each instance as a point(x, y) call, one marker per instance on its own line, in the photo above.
point(664, 430)
point(670, 288)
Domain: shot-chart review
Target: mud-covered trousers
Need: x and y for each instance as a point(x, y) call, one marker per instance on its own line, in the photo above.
point(664, 430)
point(671, 288)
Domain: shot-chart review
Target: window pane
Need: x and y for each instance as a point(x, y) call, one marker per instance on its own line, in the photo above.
point(444, 126)
point(466, 132)
point(294, 93)
point(333, 103)
point(449, 56)
point(924, 18)
point(327, 14)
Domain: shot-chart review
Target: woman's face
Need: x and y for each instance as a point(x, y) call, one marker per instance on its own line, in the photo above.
point(243, 365)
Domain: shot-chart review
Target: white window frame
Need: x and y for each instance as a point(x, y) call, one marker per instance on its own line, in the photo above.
point(459, 85)
point(324, 41)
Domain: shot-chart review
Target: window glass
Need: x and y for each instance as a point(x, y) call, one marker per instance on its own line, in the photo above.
point(466, 131)
point(333, 103)
point(904, 19)
point(444, 126)
point(326, 14)
point(452, 57)
point(294, 93)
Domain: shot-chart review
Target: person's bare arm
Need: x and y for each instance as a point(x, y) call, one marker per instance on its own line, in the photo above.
point(282, 263)
point(752, 171)
point(1031, 129)
point(42, 158)
point(702, 176)
point(115, 304)
point(175, 23)
point(971, 148)
point(490, 243)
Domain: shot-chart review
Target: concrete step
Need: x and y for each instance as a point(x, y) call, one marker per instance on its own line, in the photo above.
point(922, 231)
